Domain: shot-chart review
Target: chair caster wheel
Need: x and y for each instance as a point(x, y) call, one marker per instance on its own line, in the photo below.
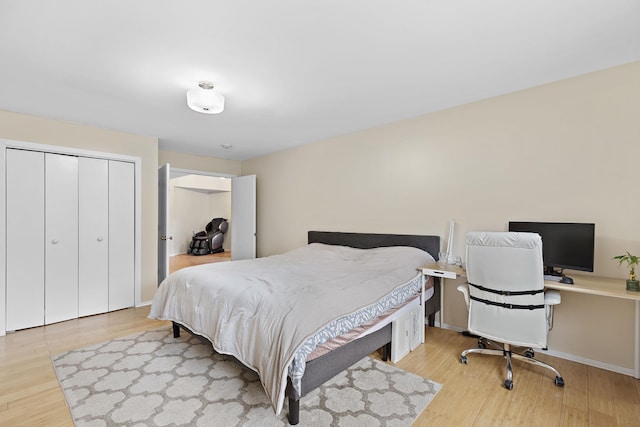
point(463, 360)
point(559, 382)
point(508, 384)
point(529, 353)
point(481, 344)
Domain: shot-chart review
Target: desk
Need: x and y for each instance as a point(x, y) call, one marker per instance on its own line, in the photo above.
point(606, 287)
point(450, 271)
point(592, 285)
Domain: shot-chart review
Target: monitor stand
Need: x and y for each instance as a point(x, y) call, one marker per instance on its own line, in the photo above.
point(556, 276)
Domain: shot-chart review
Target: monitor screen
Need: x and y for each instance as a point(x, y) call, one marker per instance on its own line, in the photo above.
point(564, 244)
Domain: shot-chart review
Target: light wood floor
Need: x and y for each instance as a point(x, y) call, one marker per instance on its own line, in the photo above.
point(472, 395)
point(177, 262)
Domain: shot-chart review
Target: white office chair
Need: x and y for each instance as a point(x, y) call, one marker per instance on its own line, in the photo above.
point(506, 297)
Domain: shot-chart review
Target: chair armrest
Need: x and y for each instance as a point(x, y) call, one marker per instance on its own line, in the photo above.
point(464, 288)
point(551, 297)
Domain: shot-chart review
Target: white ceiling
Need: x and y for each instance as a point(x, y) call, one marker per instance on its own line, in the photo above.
point(292, 71)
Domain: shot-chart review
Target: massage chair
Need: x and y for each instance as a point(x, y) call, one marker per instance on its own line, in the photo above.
point(210, 240)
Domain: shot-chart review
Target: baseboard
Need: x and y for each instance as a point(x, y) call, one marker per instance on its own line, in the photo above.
point(437, 324)
point(589, 362)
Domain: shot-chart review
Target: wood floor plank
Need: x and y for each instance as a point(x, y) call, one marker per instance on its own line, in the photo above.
point(576, 396)
point(601, 392)
point(572, 417)
point(626, 400)
point(527, 382)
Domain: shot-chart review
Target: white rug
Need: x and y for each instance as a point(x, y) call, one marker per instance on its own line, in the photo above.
point(153, 379)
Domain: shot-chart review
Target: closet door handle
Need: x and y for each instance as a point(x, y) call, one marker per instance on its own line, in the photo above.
point(100, 239)
point(55, 241)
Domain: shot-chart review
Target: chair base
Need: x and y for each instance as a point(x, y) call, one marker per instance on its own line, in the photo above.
point(508, 354)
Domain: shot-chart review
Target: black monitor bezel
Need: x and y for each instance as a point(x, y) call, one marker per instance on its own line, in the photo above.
point(551, 265)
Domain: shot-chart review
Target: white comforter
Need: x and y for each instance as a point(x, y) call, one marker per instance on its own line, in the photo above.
point(261, 311)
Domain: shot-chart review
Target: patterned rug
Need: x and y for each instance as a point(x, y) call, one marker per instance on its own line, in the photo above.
point(153, 379)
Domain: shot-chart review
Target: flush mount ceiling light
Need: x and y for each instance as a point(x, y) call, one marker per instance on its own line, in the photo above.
point(204, 99)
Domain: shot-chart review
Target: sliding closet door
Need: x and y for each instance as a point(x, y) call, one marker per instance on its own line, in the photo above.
point(121, 235)
point(93, 228)
point(25, 237)
point(61, 238)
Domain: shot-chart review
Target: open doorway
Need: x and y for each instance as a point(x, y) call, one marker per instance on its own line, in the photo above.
point(242, 216)
point(194, 200)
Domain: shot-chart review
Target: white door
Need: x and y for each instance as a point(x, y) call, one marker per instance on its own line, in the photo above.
point(93, 228)
point(121, 235)
point(25, 239)
point(61, 238)
point(243, 217)
point(163, 222)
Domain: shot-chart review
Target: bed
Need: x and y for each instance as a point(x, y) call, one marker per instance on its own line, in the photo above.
point(287, 333)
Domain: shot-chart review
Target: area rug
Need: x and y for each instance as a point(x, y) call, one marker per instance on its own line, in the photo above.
point(153, 379)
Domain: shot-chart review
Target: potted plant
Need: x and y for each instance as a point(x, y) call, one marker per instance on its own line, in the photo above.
point(632, 261)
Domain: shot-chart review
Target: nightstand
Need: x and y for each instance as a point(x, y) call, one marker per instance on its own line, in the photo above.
point(450, 271)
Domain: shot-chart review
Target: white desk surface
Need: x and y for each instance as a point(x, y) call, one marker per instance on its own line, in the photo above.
point(593, 285)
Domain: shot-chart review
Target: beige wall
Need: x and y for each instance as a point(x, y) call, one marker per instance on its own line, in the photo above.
point(567, 151)
point(22, 127)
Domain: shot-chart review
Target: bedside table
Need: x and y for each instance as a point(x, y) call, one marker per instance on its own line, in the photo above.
point(450, 271)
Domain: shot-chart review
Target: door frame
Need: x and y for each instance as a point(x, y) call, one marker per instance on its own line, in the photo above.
point(164, 178)
point(23, 145)
point(243, 225)
point(181, 172)
point(176, 173)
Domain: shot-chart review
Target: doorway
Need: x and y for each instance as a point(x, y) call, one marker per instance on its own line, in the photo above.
point(194, 200)
point(201, 195)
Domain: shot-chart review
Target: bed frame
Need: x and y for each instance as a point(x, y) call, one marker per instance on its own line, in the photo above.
point(325, 367)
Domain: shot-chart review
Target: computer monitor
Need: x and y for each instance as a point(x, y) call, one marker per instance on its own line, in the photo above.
point(567, 245)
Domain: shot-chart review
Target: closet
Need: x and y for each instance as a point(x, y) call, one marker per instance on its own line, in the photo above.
point(70, 224)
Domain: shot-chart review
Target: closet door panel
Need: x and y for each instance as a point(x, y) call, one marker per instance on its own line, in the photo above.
point(61, 237)
point(25, 239)
point(93, 228)
point(121, 235)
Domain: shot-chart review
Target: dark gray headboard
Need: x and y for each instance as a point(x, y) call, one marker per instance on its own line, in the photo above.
point(430, 244)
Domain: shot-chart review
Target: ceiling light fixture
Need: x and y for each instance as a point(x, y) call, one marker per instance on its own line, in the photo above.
point(204, 99)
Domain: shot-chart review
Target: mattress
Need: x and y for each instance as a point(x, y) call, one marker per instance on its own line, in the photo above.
point(371, 326)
